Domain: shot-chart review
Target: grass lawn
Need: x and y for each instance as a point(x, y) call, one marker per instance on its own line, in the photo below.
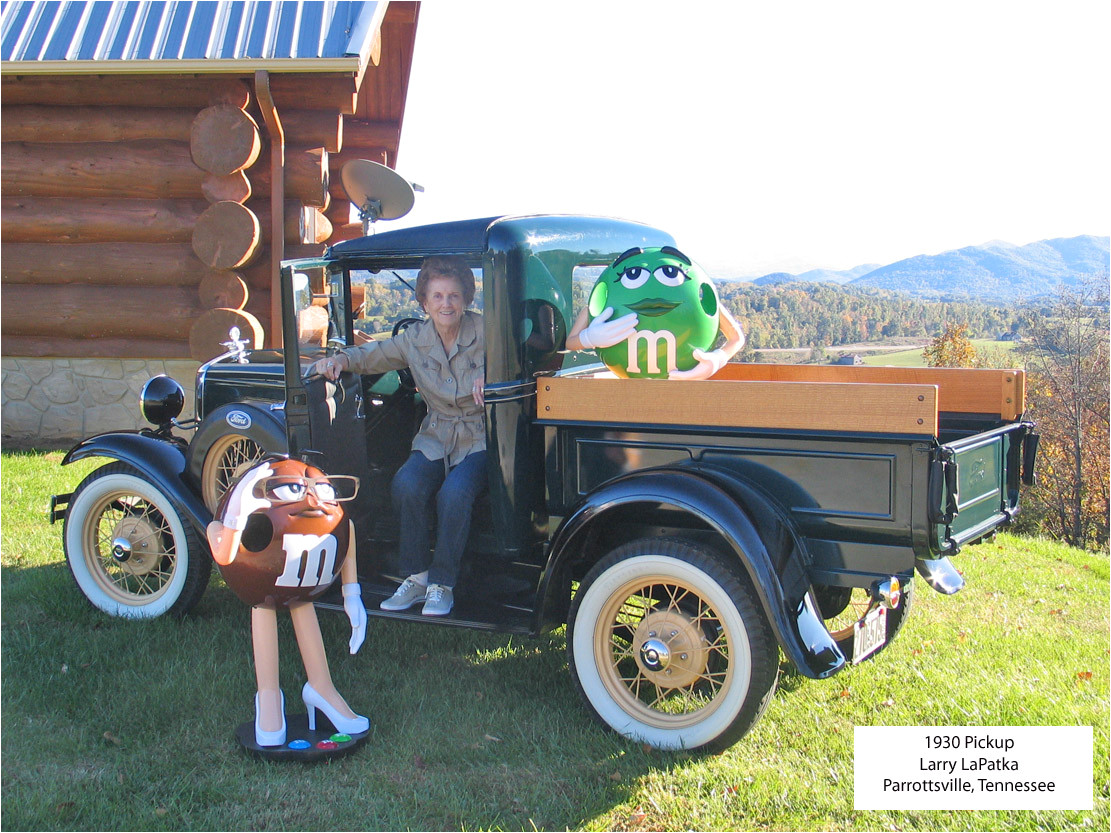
point(116, 725)
point(913, 358)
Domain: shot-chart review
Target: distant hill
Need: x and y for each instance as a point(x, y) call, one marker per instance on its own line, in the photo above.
point(819, 275)
point(995, 271)
point(816, 276)
point(775, 278)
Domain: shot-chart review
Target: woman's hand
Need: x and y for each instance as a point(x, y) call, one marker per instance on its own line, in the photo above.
point(478, 391)
point(330, 367)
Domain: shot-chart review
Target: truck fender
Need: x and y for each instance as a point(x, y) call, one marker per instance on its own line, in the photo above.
point(159, 460)
point(255, 422)
point(719, 501)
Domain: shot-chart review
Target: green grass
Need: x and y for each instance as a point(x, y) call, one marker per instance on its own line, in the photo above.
point(913, 358)
point(115, 725)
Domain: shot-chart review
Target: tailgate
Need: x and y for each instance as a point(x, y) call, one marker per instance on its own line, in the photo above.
point(974, 484)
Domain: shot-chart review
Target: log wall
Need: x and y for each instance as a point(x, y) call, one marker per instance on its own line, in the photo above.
point(134, 211)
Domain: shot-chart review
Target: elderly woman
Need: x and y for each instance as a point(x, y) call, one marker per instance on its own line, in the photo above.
point(447, 467)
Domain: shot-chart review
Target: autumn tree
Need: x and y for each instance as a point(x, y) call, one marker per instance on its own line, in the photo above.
point(952, 348)
point(1067, 391)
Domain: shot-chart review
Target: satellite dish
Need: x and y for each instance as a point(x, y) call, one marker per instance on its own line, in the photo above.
point(378, 192)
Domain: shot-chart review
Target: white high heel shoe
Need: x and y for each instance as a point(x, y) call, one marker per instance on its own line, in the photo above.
point(275, 738)
point(347, 725)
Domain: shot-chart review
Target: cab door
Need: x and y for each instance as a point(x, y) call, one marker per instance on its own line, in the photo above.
point(357, 425)
point(325, 420)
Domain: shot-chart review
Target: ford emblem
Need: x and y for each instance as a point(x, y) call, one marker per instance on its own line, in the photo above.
point(238, 419)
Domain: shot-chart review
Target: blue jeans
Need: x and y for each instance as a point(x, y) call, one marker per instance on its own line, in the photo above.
point(414, 487)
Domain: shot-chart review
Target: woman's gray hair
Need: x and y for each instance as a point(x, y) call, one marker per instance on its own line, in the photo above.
point(446, 266)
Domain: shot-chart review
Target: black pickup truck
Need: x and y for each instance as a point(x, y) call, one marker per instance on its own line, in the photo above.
point(684, 531)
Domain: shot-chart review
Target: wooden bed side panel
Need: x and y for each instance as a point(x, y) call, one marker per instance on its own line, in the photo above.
point(891, 409)
point(960, 389)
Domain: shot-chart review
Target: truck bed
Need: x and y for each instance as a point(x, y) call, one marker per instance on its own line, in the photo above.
point(878, 466)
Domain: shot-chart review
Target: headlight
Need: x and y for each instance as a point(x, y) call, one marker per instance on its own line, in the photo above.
point(161, 400)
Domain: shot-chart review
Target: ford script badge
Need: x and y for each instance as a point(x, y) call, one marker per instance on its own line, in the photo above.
point(238, 419)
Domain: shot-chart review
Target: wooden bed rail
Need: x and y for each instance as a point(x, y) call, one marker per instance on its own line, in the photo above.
point(889, 409)
point(798, 397)
point(960, 390)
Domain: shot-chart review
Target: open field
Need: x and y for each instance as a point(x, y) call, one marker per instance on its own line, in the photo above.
point(913, 357)
point(894, 353)
point(117, 725)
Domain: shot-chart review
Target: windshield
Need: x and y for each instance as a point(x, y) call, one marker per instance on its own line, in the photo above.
point(329, 317)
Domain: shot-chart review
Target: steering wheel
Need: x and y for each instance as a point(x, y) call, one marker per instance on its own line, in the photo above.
point(405, 375)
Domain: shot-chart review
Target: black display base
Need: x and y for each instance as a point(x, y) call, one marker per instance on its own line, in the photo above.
point(297, 729)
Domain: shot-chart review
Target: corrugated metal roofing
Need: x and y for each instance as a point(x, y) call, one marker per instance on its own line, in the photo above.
point(143, 30)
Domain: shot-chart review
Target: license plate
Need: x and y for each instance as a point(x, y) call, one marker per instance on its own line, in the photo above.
point(869, 634)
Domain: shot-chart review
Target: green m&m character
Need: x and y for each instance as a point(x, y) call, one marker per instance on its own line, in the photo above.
point(664, 308)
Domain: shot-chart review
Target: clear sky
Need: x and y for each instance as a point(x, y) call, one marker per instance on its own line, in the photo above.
point(769, 136)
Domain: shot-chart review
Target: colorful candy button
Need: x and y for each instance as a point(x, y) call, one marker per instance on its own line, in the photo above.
point(327, 744)
point(340, 737)
point(299, 744)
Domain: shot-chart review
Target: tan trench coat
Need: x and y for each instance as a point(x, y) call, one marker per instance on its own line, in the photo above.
point(454, 425)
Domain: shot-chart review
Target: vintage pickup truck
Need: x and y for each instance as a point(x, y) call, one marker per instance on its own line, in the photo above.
point(684, 531)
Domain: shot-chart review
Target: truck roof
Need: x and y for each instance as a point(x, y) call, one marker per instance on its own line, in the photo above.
point(458, 236)
point(534, 232)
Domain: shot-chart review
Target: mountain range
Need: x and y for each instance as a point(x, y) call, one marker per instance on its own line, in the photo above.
point(996, 271)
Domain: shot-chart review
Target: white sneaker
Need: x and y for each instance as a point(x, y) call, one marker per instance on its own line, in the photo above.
point(439, 601)
point(407, 595)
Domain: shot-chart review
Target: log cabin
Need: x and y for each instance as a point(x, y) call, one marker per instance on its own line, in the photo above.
point(157, 162)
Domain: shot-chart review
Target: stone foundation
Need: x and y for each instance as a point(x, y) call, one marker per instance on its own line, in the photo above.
point(54, 403)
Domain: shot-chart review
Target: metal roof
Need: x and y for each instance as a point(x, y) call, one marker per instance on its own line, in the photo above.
point(142, 35)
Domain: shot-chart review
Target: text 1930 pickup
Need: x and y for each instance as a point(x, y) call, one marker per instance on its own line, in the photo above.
point(685, 531)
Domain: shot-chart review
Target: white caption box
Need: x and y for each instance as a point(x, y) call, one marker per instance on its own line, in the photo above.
point(973, 768)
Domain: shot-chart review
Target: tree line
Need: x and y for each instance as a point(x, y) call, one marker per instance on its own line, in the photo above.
point(785, 316)
point(827, 315)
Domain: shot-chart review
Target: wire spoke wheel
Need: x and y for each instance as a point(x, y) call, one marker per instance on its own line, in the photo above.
point(133, 545)
point(128, 548)
point(841, 625)
point(228, 458)
point(666, 651)
point(668, 646)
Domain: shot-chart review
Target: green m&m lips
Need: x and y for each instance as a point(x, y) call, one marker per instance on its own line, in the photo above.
point(676, 306)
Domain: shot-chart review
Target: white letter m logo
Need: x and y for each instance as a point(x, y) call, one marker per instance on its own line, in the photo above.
point(651, 344)
point(317, 552)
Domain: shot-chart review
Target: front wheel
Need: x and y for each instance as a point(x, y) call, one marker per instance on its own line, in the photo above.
point(668, 646)
point(229, 457)
point(130, 551)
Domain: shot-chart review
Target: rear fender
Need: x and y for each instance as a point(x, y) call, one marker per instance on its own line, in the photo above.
point(159, 460)
point(728, 507)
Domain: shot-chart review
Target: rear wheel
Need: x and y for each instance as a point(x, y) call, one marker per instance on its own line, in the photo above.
point(668, 646)
point(129, 549)
point(228, 458)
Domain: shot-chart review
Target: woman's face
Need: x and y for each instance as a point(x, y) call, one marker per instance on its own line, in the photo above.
point(443, 301)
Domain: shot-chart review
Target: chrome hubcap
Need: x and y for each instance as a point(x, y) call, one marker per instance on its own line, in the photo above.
point(121, 549)
point(654, 655)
